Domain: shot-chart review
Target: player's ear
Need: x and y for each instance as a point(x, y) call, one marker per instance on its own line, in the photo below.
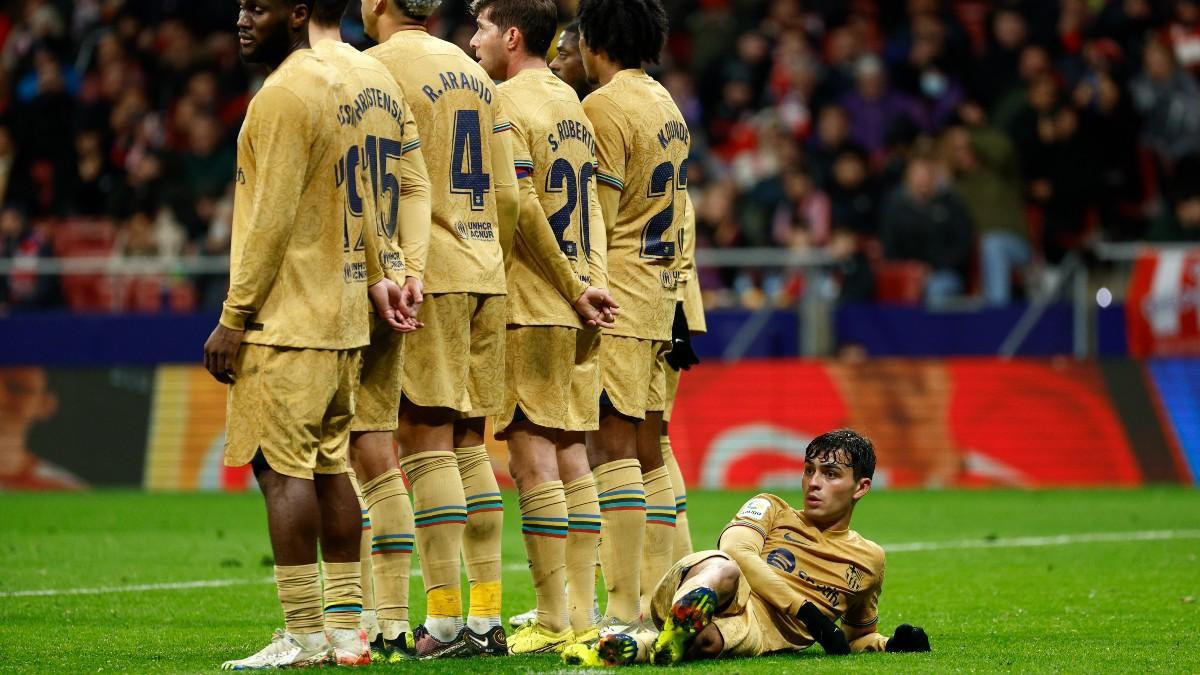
point(512, 38)
point(300, 14)
point(864, 486)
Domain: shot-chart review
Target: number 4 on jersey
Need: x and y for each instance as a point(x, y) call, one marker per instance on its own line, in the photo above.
point(466, 159)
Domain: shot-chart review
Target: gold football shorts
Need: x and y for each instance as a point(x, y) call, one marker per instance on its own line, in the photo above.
point(378, 400)
point(745, 624)
point(296, 405)
point(631, 376)
point(457, 360)
point(583, 407)
point(539, 361)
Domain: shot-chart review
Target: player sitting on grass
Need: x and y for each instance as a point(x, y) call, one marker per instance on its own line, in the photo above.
point(781, 578)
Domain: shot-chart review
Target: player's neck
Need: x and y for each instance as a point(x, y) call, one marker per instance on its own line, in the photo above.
point(606, 70)
point(390, 24)
point(526, 62)
point(318, 33)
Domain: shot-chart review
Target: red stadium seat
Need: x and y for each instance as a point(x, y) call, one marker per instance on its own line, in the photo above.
point(900, 281)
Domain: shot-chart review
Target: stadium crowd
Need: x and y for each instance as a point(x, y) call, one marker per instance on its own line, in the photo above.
point(929, 148)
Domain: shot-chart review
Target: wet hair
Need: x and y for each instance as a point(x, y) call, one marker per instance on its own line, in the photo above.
point(328, 12)
point(834, 446)
point(571, 28)
point(536, 19)
point(629, 32)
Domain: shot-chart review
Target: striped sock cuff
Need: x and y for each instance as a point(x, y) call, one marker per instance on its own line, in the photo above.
point(344, 608)
point(484, 502)
point(681, 504)
point(660, 515)
point(366, 520)
point(623, 500)
point(587, 523)
point(392, 543)
point(541, 526)
point(452, 514)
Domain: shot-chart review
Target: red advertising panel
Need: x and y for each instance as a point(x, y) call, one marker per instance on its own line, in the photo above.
point(1163, 307)
point(960, 422)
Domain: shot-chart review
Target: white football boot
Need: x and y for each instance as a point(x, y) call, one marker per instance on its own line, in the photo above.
point(287, 650)
point(350, 646)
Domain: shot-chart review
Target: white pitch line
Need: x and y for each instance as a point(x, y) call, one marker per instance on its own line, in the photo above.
point(1052, 540)
point(909, 547)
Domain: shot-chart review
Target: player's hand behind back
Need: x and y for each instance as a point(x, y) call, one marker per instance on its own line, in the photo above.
point(391, 305)
point(597, 307)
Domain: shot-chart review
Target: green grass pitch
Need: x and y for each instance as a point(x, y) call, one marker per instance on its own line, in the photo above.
point(993, 589)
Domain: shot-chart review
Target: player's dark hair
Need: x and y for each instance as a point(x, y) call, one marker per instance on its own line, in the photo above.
point(629, 32)
point(328, 12)
point(837, 445)
point(572, 29)
point(536, 19)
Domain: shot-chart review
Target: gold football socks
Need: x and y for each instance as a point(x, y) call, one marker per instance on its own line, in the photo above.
point(440, 515)
point(583, 537)
point(369, 622)
point(544, 529)
point(343, 594)
point(660, 531)
point(683, 535)
point(300, 594)
point(391, 550)
point(622, 534)
point(481, 539)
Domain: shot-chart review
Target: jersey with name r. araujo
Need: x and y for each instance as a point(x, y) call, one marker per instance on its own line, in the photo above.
point(457, 113)
point(554, 146)
point(642, 145)
point(292, 280)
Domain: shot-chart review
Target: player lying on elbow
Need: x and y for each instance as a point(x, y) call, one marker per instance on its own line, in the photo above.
point(782, 577)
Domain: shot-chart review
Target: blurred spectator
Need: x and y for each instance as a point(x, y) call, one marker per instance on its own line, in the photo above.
point(24, 246)
point(8, 156)
point(1183, 33)
point(802, 219)
point(854, 193)
point(1181, 223)
point(986, 176)
point(1169, 102)
point(925, 220)
point(873, 106)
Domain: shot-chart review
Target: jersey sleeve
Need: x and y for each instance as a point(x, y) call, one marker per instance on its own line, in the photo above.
point(611, 141)
point(693, 302)
point(415, 207)
point(743, 541)
point(280, 133)
point(597, 251)
point(508, 201)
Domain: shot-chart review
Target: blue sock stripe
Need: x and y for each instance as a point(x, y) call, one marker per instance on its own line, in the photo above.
point(438, 520)
point(660, 519)
point(345, 607)
point(394, 537)
point(613, 493)
point(530, 529)
point(398, 547)
point(542, 519)
point(450, 508)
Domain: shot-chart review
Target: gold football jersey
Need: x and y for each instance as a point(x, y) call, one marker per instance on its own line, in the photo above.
point(642, 145)
point(838, 571)
point(457, 111)
point(383, 172)
point(554, 148)
point(295, 277)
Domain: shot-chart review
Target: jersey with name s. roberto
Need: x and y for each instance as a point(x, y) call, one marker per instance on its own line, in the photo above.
point(457, 112)
point(642, 144)
point(554, 146)
point(293, 280)
point(387, 187)
point(839, 571)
